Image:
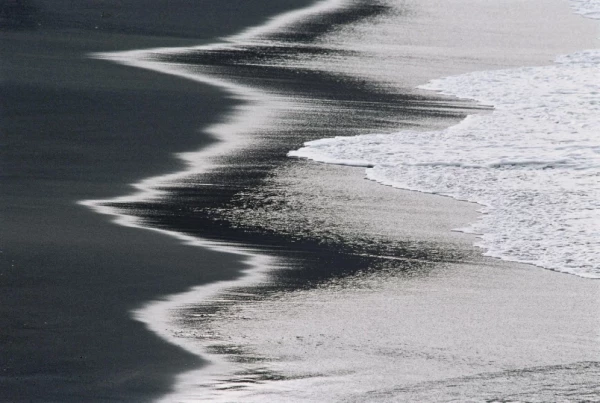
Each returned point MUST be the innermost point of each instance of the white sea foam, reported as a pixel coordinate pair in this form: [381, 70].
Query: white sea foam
[587, 8]
[534, 163]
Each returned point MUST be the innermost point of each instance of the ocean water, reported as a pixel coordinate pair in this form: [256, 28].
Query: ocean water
[533, 163]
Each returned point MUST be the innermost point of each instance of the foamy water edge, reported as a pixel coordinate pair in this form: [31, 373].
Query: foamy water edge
[456, 162]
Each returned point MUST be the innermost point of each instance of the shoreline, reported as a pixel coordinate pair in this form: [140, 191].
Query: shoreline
[69, 277]
[185, 299]
[270, 243]
[69, 124]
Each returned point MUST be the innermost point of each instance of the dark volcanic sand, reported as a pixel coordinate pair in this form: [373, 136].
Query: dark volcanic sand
[331, 105]
[74, 128]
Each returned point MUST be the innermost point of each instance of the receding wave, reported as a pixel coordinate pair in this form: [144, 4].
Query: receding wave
[533, 163]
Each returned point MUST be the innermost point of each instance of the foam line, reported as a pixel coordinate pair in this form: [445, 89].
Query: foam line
[532, 163]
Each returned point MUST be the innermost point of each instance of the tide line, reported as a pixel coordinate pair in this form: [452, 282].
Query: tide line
[256, 108]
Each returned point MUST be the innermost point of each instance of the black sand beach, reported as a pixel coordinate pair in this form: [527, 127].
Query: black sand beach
[76, 128]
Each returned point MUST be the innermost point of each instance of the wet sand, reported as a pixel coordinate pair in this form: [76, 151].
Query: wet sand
[76, 276]
[442, 326]
[459, 318]
[76, 128]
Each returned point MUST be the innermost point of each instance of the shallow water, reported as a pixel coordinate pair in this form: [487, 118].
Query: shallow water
[533, 163]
